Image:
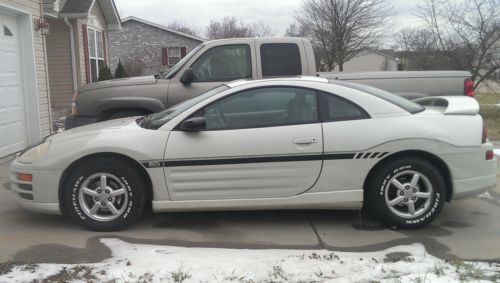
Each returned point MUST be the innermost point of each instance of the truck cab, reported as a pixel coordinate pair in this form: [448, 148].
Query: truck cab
[210, 64]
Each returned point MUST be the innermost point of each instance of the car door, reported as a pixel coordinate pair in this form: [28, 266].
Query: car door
[213, 67]
[259, 143]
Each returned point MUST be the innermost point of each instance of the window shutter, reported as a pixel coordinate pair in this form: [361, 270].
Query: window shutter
[183, 52]
[164, 56]
[86, 53]
[105, 51]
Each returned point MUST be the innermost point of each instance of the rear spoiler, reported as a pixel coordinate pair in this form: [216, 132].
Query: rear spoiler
[450, 105]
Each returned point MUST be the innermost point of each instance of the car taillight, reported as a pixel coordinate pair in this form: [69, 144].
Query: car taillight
[490, 154]
[469, 87]
[485, 133]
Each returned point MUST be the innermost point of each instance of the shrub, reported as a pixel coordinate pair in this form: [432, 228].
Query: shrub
[120, 71]
[105, 74]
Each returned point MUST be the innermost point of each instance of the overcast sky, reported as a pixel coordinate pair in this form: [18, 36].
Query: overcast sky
[198, 13]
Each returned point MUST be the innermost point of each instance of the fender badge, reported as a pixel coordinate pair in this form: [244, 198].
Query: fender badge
[154, 164]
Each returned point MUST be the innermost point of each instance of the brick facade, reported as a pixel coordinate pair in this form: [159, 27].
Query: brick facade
[140, 42]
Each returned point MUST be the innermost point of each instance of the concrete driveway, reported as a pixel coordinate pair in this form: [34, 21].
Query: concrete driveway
[469, 229]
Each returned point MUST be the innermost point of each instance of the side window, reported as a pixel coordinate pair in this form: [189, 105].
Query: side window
[6, 31]
[263, 107]
[335, 108]
[223, 63]
[280, 59]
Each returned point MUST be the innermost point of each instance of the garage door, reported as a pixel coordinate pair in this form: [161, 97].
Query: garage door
[13, 132]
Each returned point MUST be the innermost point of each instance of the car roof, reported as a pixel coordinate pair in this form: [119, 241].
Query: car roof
[237, 83]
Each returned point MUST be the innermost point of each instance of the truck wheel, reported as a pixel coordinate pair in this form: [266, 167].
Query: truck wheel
[406, 193]
[104, 194]
[124, 114]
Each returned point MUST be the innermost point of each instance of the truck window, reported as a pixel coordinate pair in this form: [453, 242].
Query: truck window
[280, 59]
[223, 63]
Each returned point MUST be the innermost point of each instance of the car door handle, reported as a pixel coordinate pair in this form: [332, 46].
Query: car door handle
[305, 140]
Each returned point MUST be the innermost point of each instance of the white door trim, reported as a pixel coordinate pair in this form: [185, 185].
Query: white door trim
[28, 71]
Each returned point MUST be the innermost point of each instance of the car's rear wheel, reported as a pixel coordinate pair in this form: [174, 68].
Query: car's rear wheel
[406, 193]
[104, 194]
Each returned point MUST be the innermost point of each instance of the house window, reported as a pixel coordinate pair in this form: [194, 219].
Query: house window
[6, 31]
[172, 55]
[96, 53]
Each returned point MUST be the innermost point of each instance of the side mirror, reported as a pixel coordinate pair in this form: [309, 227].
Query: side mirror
[194, 124]
[187, 76]
[157, 76]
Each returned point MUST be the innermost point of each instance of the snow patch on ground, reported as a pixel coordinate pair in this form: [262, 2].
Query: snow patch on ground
[154, 263]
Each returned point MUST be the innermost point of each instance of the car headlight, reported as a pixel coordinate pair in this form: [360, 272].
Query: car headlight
[31, 154]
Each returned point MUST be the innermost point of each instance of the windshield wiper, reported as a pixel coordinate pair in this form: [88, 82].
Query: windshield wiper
[144, 121]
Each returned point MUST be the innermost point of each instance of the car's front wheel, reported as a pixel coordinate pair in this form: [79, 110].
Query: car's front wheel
[406, 193]
[104, 194]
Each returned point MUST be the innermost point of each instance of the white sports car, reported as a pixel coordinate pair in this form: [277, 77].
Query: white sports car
[270, 144]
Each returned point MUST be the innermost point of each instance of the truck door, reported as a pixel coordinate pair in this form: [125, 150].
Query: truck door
[216, 65]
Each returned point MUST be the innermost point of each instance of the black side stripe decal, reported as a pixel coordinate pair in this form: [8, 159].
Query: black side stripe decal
[244, 160]
[382, 155]
[266, 159]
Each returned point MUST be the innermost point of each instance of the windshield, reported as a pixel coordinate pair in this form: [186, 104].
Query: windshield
[181, 63]
[156, 120]
[399, 101]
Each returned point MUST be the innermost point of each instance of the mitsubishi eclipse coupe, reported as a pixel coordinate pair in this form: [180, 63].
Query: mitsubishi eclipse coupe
[284, 143]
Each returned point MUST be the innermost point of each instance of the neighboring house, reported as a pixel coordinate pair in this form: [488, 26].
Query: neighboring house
[372, 60]
[24, 97]
[77, 46]
[146, 48]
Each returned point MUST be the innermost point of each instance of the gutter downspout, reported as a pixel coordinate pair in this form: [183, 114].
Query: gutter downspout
[72, 46]
[47, 80]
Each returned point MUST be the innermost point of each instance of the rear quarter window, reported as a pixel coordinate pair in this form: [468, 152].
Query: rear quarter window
[401, 102]
[280, 59]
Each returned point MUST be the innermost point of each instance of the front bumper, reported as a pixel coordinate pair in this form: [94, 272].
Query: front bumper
[39, 195]
[77, 121]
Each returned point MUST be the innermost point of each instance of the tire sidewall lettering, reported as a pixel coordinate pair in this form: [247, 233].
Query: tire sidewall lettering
[436, 197]
[75, 204]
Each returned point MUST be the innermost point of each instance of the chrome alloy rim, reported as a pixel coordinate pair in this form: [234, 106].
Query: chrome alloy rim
[408, 194]
[103, 197]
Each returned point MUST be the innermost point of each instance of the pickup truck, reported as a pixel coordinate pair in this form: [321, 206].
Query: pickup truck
[215, 62]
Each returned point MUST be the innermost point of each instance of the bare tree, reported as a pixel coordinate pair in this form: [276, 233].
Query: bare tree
[419, 50]
[134, 67]
[229, 27]
[262, 29]
[467, 31]
[185, 28]
[344, 28]
[296, 30]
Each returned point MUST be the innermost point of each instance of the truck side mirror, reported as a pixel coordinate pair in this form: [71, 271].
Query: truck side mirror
[194, 124]
[187, 76]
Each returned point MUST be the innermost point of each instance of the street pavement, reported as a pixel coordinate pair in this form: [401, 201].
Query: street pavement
[468, 229]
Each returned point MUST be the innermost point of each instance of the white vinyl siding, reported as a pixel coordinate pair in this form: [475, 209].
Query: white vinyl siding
[42, 89]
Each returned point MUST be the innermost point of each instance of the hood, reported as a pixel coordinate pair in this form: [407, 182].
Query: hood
[124, 124]
[145, 80]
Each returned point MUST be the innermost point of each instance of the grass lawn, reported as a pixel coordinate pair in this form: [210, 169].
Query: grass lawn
[490, 113]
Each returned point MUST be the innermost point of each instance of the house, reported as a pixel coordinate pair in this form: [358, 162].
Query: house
[146, 48]
[372, 60]
[48, 48]
[77, 46]
[24, 88]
